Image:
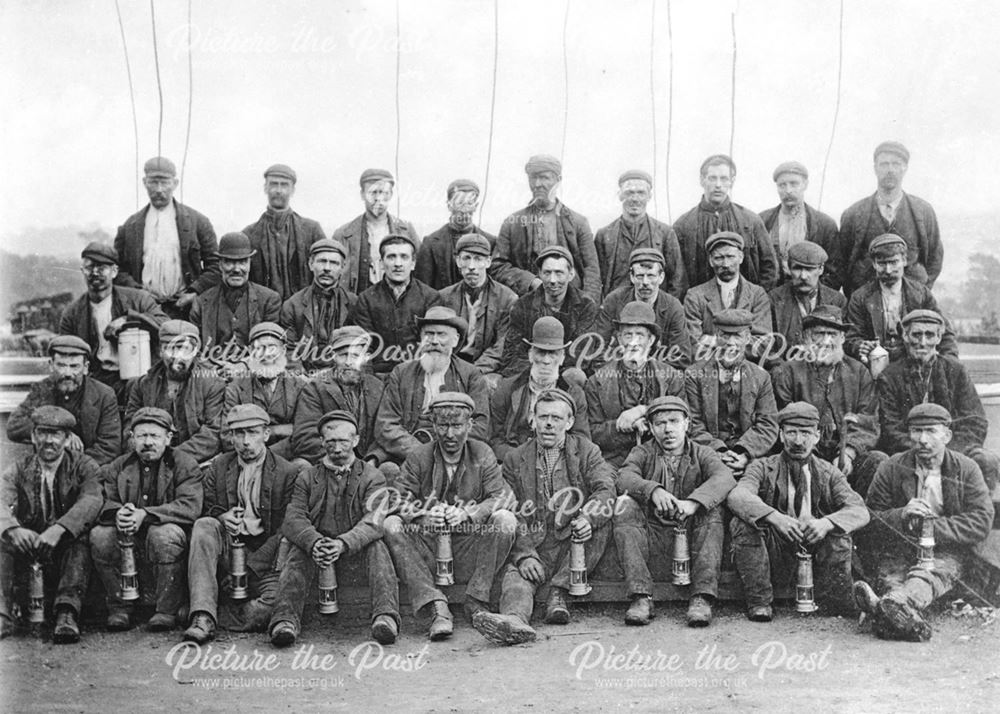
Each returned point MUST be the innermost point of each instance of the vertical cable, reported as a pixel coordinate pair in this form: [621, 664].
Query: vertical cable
[836, 109]
[131, 95]
[187, 134]
[397, 107]
[493, 103]
[732, 100]
[562, 153]
[159, 84]
[670, 103]
[652, 92]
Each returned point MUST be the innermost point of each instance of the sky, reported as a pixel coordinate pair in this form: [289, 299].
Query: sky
[313, 84]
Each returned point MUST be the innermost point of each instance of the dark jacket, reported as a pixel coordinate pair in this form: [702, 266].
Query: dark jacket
[702, 477]
[324, 394]
[757, 417]
[277, 479]
[77, 490]
[659, 236]
[305, 231]
[764, 489]
[822, 230]
[436, 258]
[785, 311]
[394, 321]
[199, 262]
[509, 427]
[492, 321]
[297, 317]
[674, 344]
[218, 324]
[179, 491]
[280, 405]
[577, 316]
[514, 253]
[98, 423]
[355, 236]
[703, 301]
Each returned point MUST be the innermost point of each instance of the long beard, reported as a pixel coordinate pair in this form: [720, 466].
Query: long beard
[268, 371]
[434, 362]
[830, 355]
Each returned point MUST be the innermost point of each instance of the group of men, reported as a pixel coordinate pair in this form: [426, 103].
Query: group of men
[356, 403]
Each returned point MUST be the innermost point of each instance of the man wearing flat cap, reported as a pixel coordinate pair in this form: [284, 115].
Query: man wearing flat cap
[453, 484]
[483, 303]
[365, 234]
[564, 490]
[801, 292]
[281, 238]
[794, 221]
[512, 405]
[267, 383]
[391, 307]
[731, 399]
[633, 230]
[153, 494]
[311, 315]
[727, 290]
[717, 213]
[224, 314]
[926, 376]
[48, 502]
[97, 425]
[876, 309]
[670, 483]
[544, 223]
[167, 248]
[331, 521]
[437, 258]
[842, 390]
[646, 276]
[793, 502]
[619, 393]
[246, 494]
[927, 482]
[891, 210]
[99, 316]
[404, 419]
[185, 388]
[347, 386]
[556, 297]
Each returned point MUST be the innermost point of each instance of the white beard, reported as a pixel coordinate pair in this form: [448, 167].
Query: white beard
[435, 362]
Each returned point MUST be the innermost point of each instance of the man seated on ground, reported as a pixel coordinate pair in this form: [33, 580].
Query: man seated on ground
[792, 502]
[670, 483]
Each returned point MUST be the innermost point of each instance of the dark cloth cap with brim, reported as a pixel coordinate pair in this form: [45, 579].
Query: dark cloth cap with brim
[790, 167]
[371, 175]
[892, 147]
[152, 415]
[799, 414]
[732, 320]
[235, 246]
[440, 315]
[635, 175]
[100, 253]
[646, 255]
[825, 316]
[159, 166]
[336, 415]
[724, 238]
[462, 185]
[807, 254]
[452, 399]
[53, 417]
[282, 171]
[923, 316]
[349, 335]
[243, 415]
[397, 238]
[543, 162]
[177, 328]
[889, 243]
[271, 329]
[668, 403]
[69, 345]
[547, 334]
[928, 413]
[638, 313]
[328, 245]
[473, 243]
[554, 251]
[560, 394]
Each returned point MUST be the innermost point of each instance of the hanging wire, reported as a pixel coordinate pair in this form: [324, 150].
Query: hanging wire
[562, 153]
[732, 100]
[670, 103]
[397, 107]
[836, 108]
[131, 96]
[652, 92]
[493, 103]
[187, 134]
[159, 84]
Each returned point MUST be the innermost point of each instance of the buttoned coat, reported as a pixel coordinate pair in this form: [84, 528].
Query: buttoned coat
[758, 413]
[178, 488]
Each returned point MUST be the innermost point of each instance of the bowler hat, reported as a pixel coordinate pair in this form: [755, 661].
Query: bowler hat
[547, 334]
[235, 246]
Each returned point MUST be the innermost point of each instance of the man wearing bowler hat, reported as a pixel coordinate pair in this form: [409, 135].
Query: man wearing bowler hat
[891, 210]
[801, 292]
[246, 494]
[637, 230]
[185, 388]
[794, 221]
[48, 502]
[437, 263]
[281, 238]
[482, 302]
[331, 521]
[365, 234]
[927, 482]
[99, 316]
[97, 424]
[792, 502]
[667, 483]
[311, 315]
[224, 314]
[167, 248]
[618, 393]
[154, 494]
[546, 222]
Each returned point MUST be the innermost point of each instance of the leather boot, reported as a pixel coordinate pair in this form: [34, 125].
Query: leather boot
[442, 624]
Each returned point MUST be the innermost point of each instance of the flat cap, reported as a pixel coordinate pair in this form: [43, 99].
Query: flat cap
[543, 162]
[635, 174]
[100, 253]
[54, 417]
[452, 399]
[799, 414]
[441, 315]
[928, 413]
[560, 394]
[462, 185]
[723, 238]
[732, 320]
[336, 415]
[370, 175]
[243, 415]
[330, 245]
[826, 316]
[790, 167]
[646, 255]
[887, 241]
[152, 415]
[397, 238]
[554, 251]
[160, 166]
[668, 403]
[69, 345]
[177, 328]
[349, 335]
[923, 316]
[266, 329]
[892, 147]
[808, 254]
[473, 243]
[235, 246]
[638, 313]
[282, 171]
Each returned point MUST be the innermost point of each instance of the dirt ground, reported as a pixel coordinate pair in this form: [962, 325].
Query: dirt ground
[796, 663]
